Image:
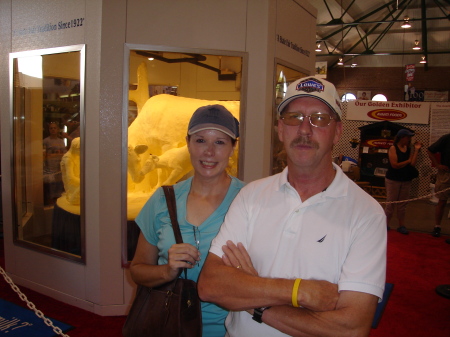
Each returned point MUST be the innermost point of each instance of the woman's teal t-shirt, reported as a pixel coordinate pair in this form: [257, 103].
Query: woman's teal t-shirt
[154, 222]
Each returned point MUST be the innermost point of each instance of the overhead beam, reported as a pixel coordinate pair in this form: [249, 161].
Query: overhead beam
[444, 52]
[355, 23]
[424, 33]
[404, 3]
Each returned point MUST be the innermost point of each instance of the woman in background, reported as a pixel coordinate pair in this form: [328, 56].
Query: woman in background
[399, 176]
[202, 202]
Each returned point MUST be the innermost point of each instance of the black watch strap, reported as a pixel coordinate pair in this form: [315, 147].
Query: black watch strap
[257, 314]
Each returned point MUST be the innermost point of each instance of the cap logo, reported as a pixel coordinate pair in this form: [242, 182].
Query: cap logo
[310, 85]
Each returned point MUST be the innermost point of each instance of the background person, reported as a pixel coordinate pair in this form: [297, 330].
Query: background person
[202, 202]
[441, 146]
[54, 150]
[399, 176]
[308, 222]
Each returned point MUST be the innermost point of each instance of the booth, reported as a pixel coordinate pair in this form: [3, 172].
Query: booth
[376, 139]
[101, 64]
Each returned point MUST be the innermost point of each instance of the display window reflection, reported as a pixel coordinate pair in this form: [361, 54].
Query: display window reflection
[164, 90]
[47, 106]
[284, 77]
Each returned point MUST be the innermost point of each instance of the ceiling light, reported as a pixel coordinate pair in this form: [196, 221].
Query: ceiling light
[354, 65]
[340, 63]
[318, 47]
[150, 58]
[416, 45]
[406, 23]
[424, 59]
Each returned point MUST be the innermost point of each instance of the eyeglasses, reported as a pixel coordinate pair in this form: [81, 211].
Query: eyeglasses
[197, 238]
[316, 119]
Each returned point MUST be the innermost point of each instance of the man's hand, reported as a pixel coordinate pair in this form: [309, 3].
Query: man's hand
[443, 167]
[315, 295]
[237, 257]
[318, 295]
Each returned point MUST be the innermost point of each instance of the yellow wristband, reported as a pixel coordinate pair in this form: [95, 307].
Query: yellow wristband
[295, 292]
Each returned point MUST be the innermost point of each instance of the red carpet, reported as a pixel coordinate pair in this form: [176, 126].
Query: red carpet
[417, 263]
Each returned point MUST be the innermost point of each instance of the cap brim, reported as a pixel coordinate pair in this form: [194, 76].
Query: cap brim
[217, 127]
[290, 99]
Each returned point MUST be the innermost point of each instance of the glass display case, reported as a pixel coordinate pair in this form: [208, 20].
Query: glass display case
[164, 90]
[47, 108]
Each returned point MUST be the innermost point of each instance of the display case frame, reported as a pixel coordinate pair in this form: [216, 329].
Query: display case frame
[128, 242]
[29, 119]
[278, 159]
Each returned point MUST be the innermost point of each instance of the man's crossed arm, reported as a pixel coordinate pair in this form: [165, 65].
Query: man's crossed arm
[232, 282]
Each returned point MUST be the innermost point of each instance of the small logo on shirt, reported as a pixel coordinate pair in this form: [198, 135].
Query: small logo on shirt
[322, 240]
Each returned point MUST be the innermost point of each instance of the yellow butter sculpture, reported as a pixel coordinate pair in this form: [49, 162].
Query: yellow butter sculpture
[157, 151]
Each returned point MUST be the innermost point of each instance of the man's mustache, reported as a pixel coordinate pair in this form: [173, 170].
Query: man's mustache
[304, 140]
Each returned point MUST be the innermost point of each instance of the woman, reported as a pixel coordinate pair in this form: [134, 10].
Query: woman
[202, 202]
[399, 176]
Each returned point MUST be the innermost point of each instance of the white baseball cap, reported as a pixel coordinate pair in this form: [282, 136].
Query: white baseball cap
[312, 87]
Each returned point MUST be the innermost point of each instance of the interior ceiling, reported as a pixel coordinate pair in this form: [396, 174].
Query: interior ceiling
[369, 33]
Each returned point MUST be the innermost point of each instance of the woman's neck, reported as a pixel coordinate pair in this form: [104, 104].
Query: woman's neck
[204, 186]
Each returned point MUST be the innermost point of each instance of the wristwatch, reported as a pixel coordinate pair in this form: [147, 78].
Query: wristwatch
[257, 314]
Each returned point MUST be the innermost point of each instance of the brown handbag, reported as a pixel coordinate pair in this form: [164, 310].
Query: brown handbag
[172, 309]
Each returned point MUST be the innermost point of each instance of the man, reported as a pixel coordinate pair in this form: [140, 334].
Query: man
[441, 146]
[316, 242]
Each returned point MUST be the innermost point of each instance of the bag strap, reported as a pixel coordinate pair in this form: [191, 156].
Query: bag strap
[172, 207]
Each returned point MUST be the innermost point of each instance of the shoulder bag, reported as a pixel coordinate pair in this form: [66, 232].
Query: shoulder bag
[172, 309]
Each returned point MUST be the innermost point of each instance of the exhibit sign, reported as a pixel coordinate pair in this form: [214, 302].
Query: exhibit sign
[435, 96]
[439, 120]
[321, 69]
[400, 112]
[409, 71]
[41, 24]
[294, 43]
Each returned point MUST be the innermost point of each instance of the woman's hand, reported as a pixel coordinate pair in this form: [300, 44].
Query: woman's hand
[418, 145]
[182, 255]
[237, 256]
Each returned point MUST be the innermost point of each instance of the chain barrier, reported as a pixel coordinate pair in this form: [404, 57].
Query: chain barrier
[31, 305]
[418, 198]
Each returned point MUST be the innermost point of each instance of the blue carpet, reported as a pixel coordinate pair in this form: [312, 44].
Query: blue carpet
[16, 321]
[380, 307]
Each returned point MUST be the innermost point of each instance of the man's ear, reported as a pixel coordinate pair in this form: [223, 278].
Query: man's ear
[337, 133]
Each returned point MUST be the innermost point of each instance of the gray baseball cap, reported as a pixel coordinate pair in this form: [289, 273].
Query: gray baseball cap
[214, 117]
